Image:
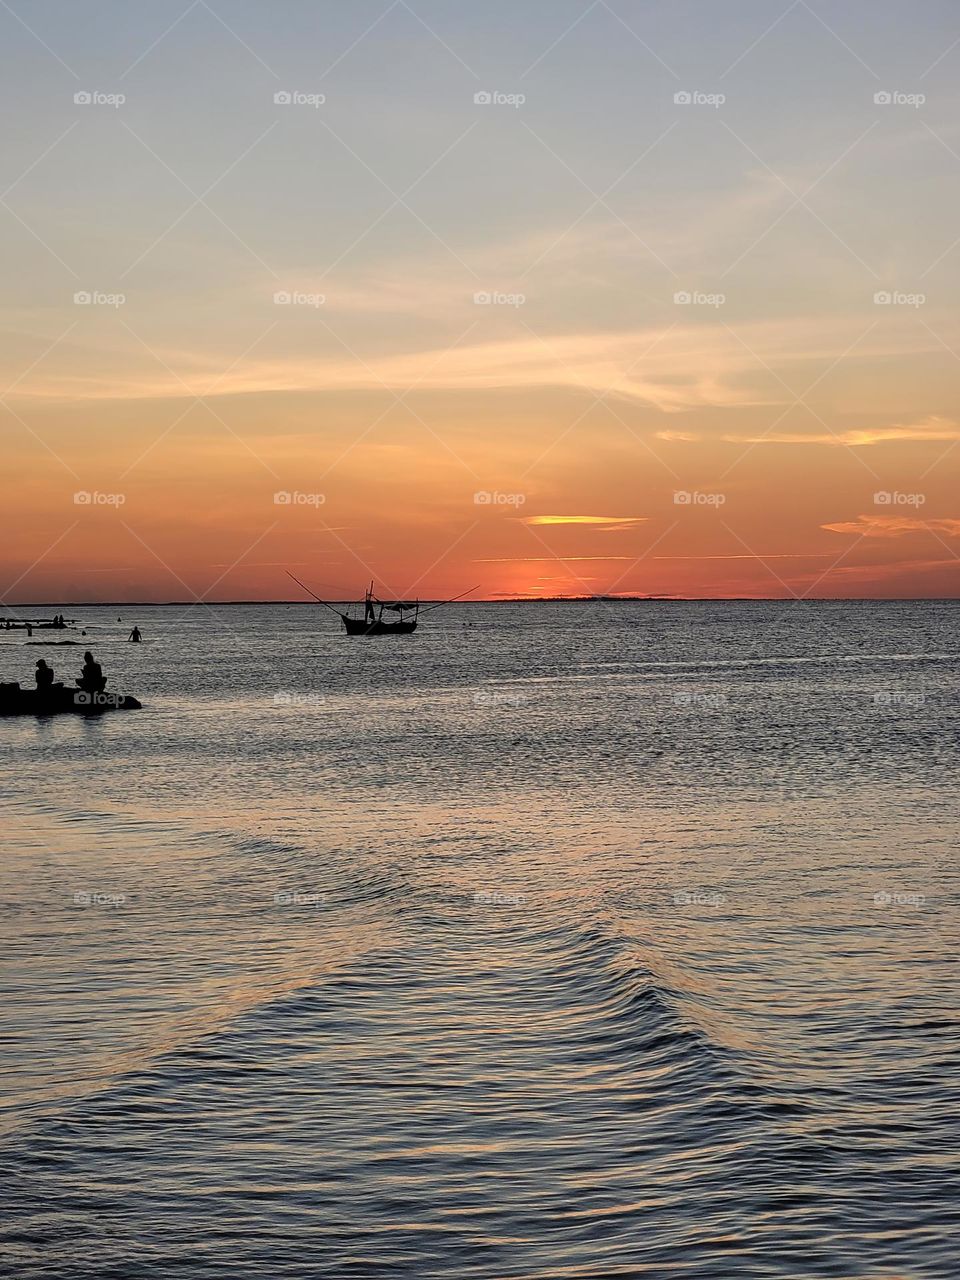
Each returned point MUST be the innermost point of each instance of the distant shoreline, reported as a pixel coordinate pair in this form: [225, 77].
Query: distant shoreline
[60, 605]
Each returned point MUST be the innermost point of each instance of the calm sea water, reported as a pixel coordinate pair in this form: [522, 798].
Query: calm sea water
[554, 941]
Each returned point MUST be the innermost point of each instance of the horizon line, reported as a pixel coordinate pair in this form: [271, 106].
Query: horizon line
[599, 598]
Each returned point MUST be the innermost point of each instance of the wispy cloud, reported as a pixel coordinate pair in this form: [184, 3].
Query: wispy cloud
[670, 367]
[759, 555]
[605, 523]
[895, 526]
[931, 428]
[543, 559]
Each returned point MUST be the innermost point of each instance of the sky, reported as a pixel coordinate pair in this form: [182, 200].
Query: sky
[551, 298]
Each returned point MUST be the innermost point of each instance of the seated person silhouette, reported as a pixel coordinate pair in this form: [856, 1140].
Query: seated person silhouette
[92, 679]
[44, 677]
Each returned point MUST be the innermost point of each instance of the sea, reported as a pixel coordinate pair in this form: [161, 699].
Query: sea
[555, 941]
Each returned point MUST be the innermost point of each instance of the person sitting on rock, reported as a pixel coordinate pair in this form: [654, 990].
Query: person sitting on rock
[44, 677]
[92, 679]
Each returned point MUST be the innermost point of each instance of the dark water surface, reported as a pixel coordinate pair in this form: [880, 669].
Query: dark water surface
[554, 941]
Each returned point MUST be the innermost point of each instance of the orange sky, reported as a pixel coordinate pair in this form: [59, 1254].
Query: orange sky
[424, 507]
[593, 342]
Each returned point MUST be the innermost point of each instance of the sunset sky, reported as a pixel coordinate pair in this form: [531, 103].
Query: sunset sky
[451, 333]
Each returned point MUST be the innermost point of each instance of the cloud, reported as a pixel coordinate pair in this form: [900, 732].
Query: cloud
[607, 524]
[895, 526]
[674, 366]
[760, 555]
[932, 428]
[543, 559]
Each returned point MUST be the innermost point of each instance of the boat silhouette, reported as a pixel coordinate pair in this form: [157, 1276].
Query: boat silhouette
[373, 623]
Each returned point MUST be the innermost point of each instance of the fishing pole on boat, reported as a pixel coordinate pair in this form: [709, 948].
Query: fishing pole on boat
[441, 604]
[313, 593]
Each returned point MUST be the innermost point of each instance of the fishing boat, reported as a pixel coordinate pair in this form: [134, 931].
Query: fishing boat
[373, 623]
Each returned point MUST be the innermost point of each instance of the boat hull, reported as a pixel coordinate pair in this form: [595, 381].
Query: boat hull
[359, 627]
